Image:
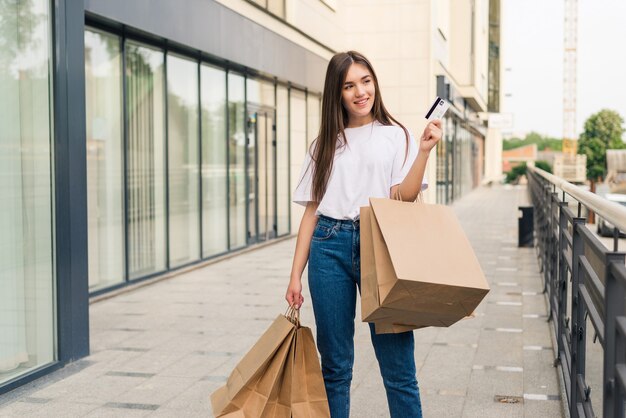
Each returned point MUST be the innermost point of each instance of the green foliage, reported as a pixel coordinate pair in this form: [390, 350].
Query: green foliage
[515, 173]
[520, 170]
[542, 142]
[603, 130]
[544, 165]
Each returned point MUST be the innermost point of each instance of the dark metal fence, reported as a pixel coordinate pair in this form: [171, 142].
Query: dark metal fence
[583, 280]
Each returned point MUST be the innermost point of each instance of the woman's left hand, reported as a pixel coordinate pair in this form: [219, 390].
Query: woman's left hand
[432, 134]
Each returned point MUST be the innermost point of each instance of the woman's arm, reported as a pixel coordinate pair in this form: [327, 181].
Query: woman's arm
[301, 255]
[412, 183]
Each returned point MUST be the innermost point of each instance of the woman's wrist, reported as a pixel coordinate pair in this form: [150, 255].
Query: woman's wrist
[424, 154]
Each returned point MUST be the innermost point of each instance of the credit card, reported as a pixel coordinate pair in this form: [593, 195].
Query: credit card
[438, 109]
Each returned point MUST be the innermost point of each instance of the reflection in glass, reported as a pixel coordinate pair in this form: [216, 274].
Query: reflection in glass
[145, 108]
[237, 149]
[251, 177]
[260, 92]
[103, 88]
[269, 173]
[261, 178]
[27, 314]
[214, 193]
[182, 106]
[260, 96]
[298, 146]
[313, 117]
[282, 159]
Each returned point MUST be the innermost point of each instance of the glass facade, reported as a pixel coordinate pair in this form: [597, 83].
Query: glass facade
[145, 154]
[460, 163]
[183, 160]
[105, 167]
[298, 145]
[214, 164]
[237, 160]
[283, 191]
[27, 279]
[313, 112]
[186, 157]
[261, 154]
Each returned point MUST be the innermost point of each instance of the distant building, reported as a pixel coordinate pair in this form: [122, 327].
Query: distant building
[514, 157]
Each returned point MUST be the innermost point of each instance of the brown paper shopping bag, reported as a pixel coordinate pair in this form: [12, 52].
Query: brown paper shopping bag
[251, 383]
[417, 267]
[308, 393]
[279, 402]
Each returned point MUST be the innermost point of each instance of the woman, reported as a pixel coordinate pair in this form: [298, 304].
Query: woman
[361, 152]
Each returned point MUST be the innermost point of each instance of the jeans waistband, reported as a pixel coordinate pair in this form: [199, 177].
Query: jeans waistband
[339, 223]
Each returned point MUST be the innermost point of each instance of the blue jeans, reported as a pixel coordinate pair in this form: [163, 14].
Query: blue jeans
[334, 276]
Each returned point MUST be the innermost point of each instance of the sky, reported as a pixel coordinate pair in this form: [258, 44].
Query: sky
[532, 56]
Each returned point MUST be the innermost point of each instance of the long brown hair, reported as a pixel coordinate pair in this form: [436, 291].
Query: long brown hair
[335, 118]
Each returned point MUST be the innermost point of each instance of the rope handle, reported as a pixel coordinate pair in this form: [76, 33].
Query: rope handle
[293, 315]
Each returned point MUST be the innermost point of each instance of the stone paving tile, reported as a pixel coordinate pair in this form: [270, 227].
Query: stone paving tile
[436, 405]
[109, 412]
[156, 390]
[62, 408]
[19, 409]
[102, 389]
[165, 347]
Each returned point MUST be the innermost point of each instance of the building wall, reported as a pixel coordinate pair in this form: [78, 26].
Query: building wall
[314, 19]
[254, 39]
[469, 37]
[396, 37]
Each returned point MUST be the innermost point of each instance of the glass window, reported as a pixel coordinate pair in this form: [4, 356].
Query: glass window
[183, 162]
[214, 164]
[298, 145]
[103, 94]
[27, 312]
[145, 107]
[237, 155]
[260, 92]
[260, 159]
[313, 117]
[444, 162]
[282, 159]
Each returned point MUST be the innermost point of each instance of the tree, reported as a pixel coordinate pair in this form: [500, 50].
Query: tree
[603, 130]
[521, 170]
[542, 142]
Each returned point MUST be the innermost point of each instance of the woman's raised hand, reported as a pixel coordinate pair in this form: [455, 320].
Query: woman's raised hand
[294, 293]
[431, 135]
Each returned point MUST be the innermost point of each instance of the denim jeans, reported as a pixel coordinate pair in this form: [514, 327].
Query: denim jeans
[334, 276]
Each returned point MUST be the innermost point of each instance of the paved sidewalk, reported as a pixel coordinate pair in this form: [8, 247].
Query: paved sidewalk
[160, 350]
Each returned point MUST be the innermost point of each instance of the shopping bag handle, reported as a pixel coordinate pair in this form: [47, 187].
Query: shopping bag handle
[398, 196]
[293, 315]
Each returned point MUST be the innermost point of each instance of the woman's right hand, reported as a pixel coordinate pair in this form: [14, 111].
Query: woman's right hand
[294, 293]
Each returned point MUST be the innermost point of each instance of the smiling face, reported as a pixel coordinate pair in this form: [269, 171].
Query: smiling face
[358, 95]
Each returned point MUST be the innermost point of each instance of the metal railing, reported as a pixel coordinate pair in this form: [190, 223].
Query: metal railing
[582, 280]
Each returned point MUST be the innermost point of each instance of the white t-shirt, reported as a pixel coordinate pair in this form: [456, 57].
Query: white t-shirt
[368, 166]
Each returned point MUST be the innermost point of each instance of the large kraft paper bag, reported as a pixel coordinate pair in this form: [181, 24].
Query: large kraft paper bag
[418, 268]
[308, 393]
[279, 402]
[251, 383]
